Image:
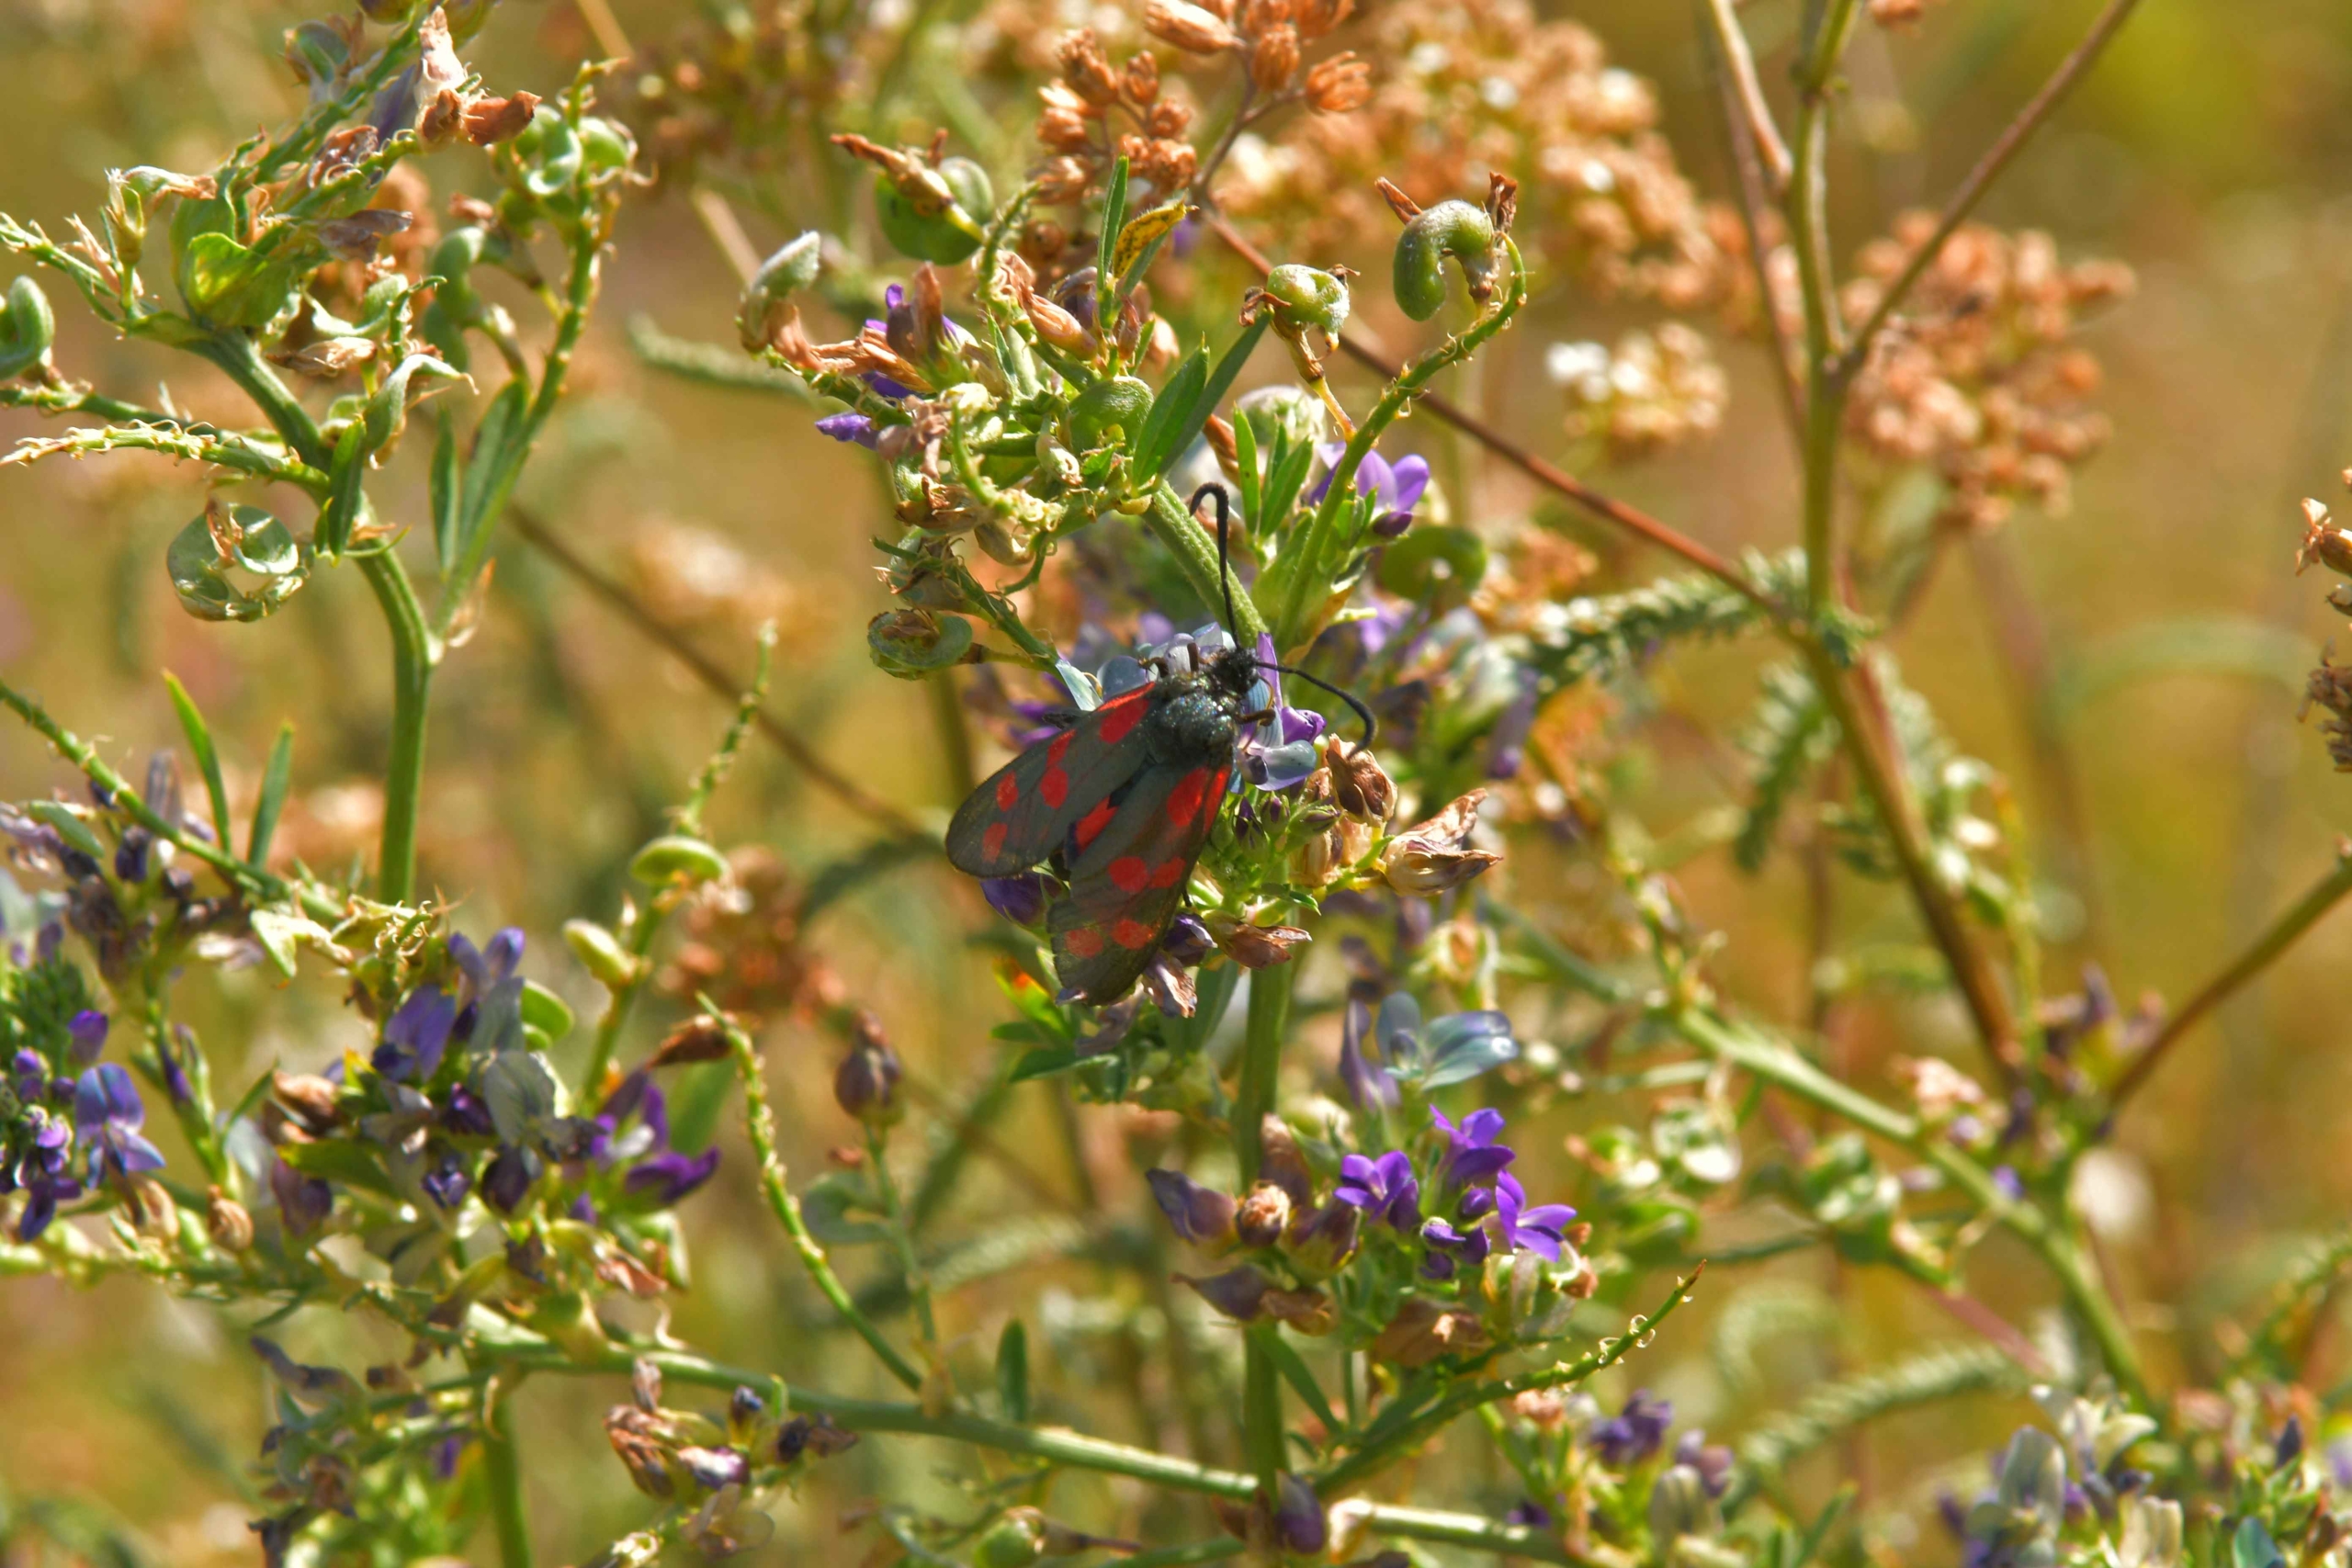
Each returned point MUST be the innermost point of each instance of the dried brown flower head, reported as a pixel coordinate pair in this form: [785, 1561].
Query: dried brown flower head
[1978, 375]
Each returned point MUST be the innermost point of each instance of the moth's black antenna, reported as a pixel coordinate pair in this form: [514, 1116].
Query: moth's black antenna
[1370, 725]
[1224, 552]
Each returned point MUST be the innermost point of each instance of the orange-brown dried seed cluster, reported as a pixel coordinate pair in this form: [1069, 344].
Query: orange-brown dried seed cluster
[1978, 375]
[1653, 390]
[1093, 113]
[1464, 86]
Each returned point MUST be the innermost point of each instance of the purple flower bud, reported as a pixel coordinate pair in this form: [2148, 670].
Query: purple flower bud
[849, 427]
[448, 1184]
[1633, 1435]
[866, 1085]
[1020, 899]
[1198, 1214]
[1473, 1156]
[670, 1176]
[134, 856]
[1188, 940]
[1384, 1189]
[508, 1180]
[1368, 1087]
[1299, 1522]
[87, 1031]
[1238, 1293]
[416, 1035]
[107, 1115]
[303, 1201]
[1713, 1462]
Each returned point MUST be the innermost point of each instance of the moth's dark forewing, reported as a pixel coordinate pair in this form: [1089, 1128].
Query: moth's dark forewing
[1127, 883]
[1021, 813]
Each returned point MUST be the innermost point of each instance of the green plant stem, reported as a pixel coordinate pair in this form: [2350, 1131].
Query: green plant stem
[415, 651]
[902, 1241]
[1195, 548]
[2054, 1243]
[1368, 1462]
[503, 1469]
[1253, 1100]
[761, 1124]
[2282, 934]
[641, 932]
[1302, 564]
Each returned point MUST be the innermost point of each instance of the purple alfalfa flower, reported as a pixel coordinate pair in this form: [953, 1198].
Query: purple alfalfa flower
[466, 1114]
[173, 1058]
[416, 1035]
[634, 1120]
[1473, 1157]
[28, 1075]
[486, 967]
[45, 1171]
[1540, 1228]
[1020, 898]
[1188, 940]
[1452, 1250]
[1530, 1513]
[1300, 1525]
[1634, 1434]
[445, 1455]
[667, 1178]
[1395, 487]
[509, 1179]
[1281, 754]
[134, 856]
[107, 1118]
[851, 428]
[1200, 1215]
[2011, 1186]
[448, 1182]
[1712, 1460]
[1384, 1189]
[303, 1201]
[1367, 1084]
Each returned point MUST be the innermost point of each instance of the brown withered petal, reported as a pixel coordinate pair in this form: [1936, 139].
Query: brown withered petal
[1273, 58]
[1170, 118]
[309, 1097]
[1309, 1312]
[228, 1222]
[472, 209]
[1316, 17]
[327, 359]
[1339, 85]
[645, 1385]
[1282, 1163]
[1255, 947]
[1063, 179]
[1064, 130]
[1422, 1331]
[1238, 1293]
[642, 1453]
[1087, 69]
[1188, 26]
[1218, 432]
[491, 120]
[700, 1039]
[442, 119]
[355, 238]
[1141, 84]
[623, 1272]
[1359, 785]
[1261, 1216]
[1403, 206]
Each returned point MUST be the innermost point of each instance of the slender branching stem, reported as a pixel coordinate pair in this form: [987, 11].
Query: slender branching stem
[1755, 114]
[1261, 1056]
[2281, 934]
[504, 1469]
[902, 1239]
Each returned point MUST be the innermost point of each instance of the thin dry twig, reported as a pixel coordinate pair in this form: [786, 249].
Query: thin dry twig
[1632, 519]
[1764, 133]
[1988, 168]
[820, 772]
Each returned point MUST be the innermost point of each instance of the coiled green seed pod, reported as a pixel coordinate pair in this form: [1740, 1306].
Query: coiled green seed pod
[1454, 229]
[673, 856]
[1306, 296]
[27, 329]
[932, 231]
[1117, 402]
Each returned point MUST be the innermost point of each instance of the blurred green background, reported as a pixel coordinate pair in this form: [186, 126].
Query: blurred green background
[2212, 152]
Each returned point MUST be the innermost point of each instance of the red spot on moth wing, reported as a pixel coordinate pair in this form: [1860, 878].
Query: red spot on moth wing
[1120, 716]
[1059, 749]
[1132, 934]
[1007, 791]
[1091, 826]
[1083, 942]
[1129, 874]
[993, 840]
[1054, 787]
[1167, 874]
[1184, 800]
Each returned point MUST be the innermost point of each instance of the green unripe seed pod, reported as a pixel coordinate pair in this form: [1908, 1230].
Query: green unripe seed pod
[27, 329]
[601, 953]
[675, 857]
[1306, 296]
[910, 644]
[546, 1012]
[605, 147]
[923, 227]
[1454, 229]
[1118, 402]
[782, 274]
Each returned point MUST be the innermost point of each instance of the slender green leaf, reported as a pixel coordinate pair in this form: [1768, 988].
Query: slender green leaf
[1296, 1373]
[1220, 382]
[275, 781]
[1115, 217]
[208, 758]
[1156, 446]
[1042, 1065]
[1012, 1372]
[333, 535]
[447, 486]
[1245, 453]
[60, 817]
[500, 426]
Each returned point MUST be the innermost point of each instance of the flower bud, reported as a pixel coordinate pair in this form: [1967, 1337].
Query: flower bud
[601, 953]
[1320, 1241]
[865, 1085]
[1188, 26]
[1199, 1214]
[1263, 1216]
[226, 1221]
[767, 297]
[1020, 899]
[675, 857]
[815, 1436]
[27, 329]
[1282, 1163]
[1274, 59]
[1112, 402]
[1300, 1527]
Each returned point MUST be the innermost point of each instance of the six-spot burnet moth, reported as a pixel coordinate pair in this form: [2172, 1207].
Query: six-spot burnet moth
[1126, 796]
